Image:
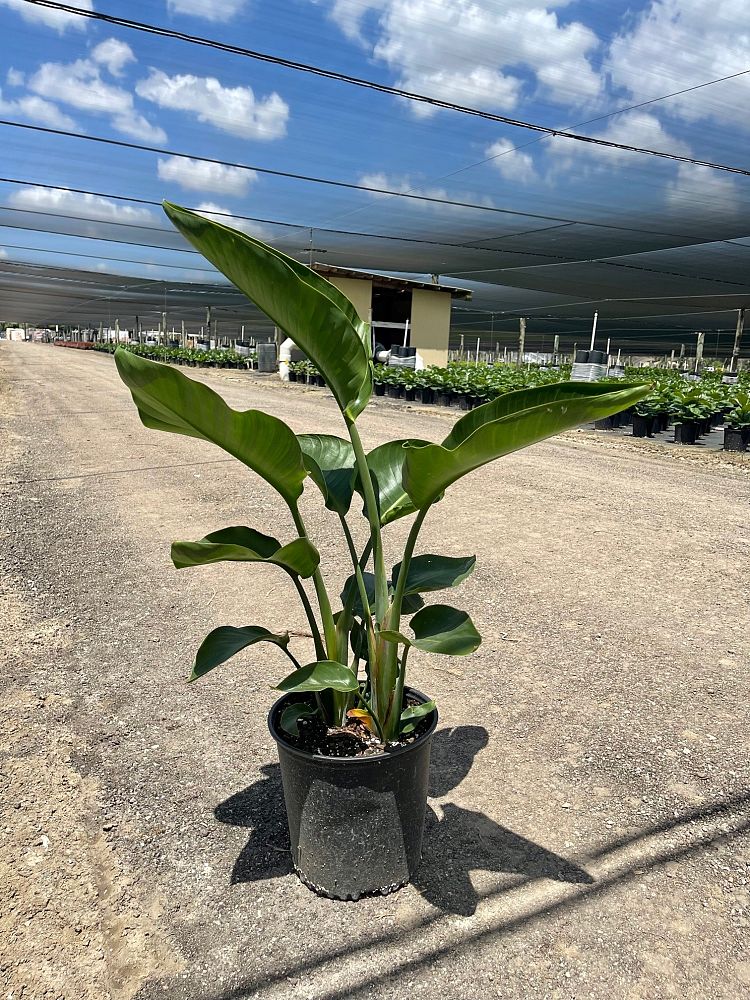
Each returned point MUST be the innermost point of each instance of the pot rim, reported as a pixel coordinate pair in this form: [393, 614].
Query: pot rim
[350, 761]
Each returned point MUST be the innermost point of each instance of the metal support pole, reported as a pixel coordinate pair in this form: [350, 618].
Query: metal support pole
[699, 350]
[521, 338]
[593, 330]
[737, 339]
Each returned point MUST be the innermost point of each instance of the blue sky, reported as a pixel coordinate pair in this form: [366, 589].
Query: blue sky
[555, 63]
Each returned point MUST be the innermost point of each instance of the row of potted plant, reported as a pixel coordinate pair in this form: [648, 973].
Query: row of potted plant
[695, 409]
[191, 357]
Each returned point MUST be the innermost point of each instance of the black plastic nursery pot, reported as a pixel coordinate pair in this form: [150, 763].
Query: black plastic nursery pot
[443, 398]
[395, 391]
[686, 432]
[379, 388]
[607, 423]
[355, 823]
[642, 426]
[424, 395]
[735, 439]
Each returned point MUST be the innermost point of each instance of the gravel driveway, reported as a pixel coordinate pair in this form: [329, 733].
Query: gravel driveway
[590, 803]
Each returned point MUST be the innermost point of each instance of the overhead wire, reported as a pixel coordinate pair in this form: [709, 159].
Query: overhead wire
[374, 85]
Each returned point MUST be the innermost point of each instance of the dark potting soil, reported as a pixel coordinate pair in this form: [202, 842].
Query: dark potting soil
[352, 740]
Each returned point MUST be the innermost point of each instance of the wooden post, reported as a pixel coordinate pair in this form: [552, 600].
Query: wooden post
[182, 333]
[117, 330]
[737, 339]
[555, 348]
[699, 350]
[682, 356]
[521, 338]
[461, 350]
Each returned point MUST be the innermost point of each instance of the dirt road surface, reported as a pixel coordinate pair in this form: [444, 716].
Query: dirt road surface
[589, 812]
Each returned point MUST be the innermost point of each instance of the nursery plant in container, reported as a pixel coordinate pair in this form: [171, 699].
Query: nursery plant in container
[737, 424]
[353, 738]
[689, 410]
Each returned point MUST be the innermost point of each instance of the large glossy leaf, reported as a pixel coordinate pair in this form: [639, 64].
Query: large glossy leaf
[330, 462]
[386, 463]
[428, 572]
[224, 642]
[439, 628]
[314, 313]
[240, 544]
[167, 400]
[321, 676]
[505, 425]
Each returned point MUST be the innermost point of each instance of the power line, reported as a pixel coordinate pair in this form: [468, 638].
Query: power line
[373, 85]
[551, 260]
[559, 223]
[349, 185]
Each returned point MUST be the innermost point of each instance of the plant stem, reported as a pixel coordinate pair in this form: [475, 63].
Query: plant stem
[319, 647]
[333, 703]
[394, 679]
[383, 657]
[381, 582]
[399, 701]
[329, 628]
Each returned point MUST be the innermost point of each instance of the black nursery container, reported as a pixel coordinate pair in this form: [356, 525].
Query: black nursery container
[735, 439]
[642, 426]
[686, 432]
[355, 823]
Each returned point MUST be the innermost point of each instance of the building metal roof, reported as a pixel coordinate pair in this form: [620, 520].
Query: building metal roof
[389, 280]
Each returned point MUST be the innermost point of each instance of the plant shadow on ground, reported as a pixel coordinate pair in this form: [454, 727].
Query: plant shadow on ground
[459, 842]
[619, 862]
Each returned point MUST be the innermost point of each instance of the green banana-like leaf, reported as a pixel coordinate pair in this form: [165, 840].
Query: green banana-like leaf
[428, 572]
[321, 676]
[386, 463]
[240, 544]
[439, 628]
[504, 425]
[225, 641]
[330, 462]
[314, 313]
[167, 400]
[411, 717]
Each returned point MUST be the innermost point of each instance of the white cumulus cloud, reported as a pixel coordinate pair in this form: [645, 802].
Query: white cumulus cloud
[209, 10]
[88, 206]
[675, 44]
[513, 164]
[381, 183]
[80, 85]
[235, 110]
[61, 20]
[113, 54]
[632, 128]
[224, 215]
[471, 51]
[695, 186]
[197, 175]
[38, 110]
[15, 78]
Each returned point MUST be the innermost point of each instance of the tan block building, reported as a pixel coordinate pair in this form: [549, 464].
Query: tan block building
[400, 307]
